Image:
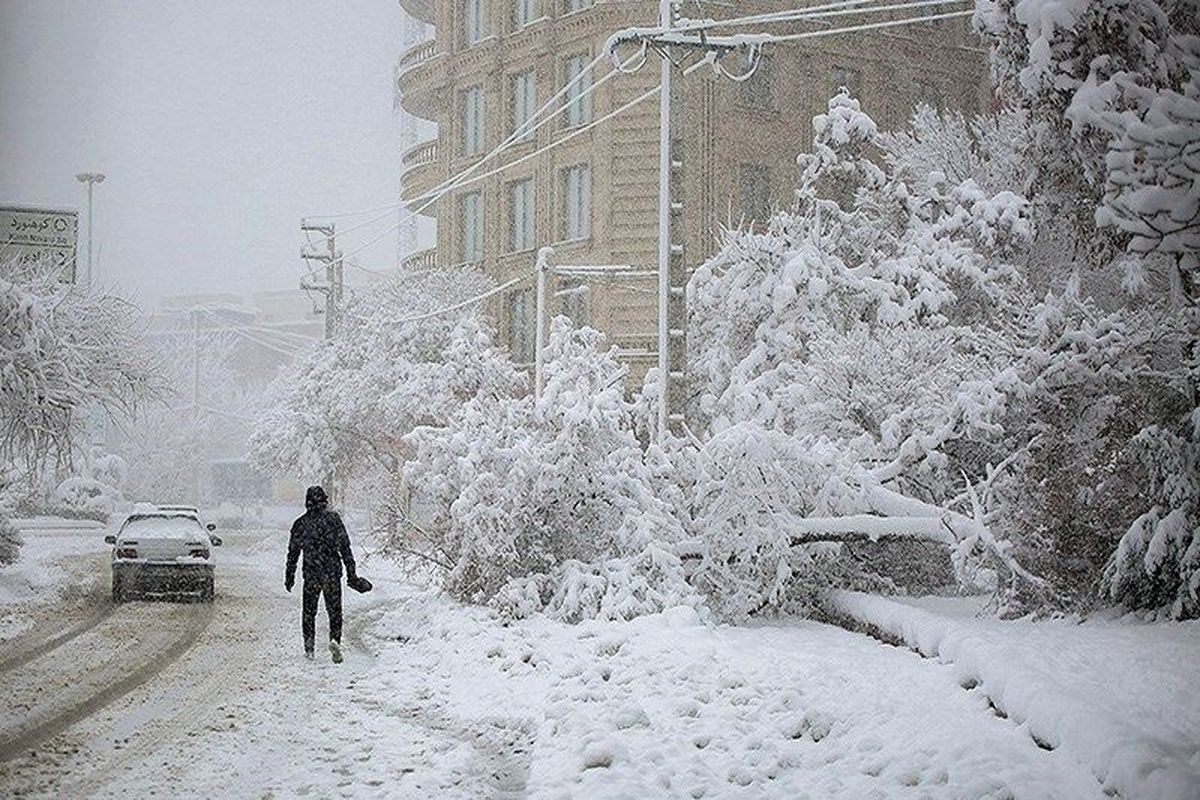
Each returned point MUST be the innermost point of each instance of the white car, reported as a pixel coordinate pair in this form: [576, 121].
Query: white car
[162, 552]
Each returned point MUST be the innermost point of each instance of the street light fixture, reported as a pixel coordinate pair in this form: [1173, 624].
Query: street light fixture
[91, 179]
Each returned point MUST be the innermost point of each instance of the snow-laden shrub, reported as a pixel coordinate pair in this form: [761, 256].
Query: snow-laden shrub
[86, 497]
[547, 504]
[1157, 564]
[749, 481]
[109, 469]
[10, 541]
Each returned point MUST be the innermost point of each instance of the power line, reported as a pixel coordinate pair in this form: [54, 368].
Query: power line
[791, 37]
[516, 135]
[459, 306]
[459, 180]
[284, 349]
[847, 7]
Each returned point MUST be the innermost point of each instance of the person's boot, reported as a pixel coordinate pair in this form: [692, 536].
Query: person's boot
[335, 650]
[308, 649]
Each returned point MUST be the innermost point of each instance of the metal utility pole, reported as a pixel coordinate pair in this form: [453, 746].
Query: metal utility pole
[195, 406]
[672, 271]
[673, 43]
[91, 179]
[333, 274]
[333, 289]
[545, 257]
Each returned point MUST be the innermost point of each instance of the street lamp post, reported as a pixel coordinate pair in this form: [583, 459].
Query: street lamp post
[91, 179]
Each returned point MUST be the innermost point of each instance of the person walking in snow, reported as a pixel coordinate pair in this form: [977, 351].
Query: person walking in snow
[320, 535]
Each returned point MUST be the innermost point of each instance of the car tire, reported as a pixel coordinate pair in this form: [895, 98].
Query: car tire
[118, 590]
[207, 591]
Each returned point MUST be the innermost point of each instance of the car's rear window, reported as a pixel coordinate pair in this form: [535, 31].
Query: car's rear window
[162, 527]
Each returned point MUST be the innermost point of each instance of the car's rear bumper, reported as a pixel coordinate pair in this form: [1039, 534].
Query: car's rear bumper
[162, 577]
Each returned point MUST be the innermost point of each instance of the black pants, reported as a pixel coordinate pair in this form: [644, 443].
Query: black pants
[313, 589]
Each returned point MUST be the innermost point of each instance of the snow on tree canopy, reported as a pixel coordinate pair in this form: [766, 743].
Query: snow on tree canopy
[547, 505]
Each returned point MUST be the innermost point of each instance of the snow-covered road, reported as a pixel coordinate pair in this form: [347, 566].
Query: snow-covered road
[438, 700]
[187, 700]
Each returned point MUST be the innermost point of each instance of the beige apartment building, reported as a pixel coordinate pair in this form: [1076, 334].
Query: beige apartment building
[491, 63]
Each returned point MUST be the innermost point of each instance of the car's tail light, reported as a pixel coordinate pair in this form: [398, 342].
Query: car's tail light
[126, 552]
[199, 552]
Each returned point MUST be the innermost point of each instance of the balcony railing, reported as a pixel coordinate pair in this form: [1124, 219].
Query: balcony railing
[422, 153]
[415, 56]
[412, 86]
[417, 262]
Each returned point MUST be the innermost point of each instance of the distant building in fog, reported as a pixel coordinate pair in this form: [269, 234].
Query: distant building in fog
[266, 330]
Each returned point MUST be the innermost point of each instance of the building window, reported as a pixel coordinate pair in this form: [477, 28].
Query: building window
[575, 5]
[577, 201]
[524, 12]
[575, 303]
[755, 187]
[472, 121]
[758, 91]
[522, 325]
[521, 215]
[847, 77]
[474, 23]
[470, 207]
[579, 98]
[524, 103]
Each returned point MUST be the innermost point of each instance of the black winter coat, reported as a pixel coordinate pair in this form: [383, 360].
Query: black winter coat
[322, 538]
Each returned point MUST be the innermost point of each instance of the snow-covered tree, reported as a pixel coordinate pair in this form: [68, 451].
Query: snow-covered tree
[64, 351]
[1113, 93]
[1157, 564]
[166, 440]
[547, 505]
[873, 325]
[398, 361]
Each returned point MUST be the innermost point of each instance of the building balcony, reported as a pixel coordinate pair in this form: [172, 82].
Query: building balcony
[421, 261]
[424, 10]
[417, 74]
[419, 175]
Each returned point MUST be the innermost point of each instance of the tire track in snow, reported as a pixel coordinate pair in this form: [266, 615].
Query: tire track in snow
[44, 643]
[20, 742]
[223, 675]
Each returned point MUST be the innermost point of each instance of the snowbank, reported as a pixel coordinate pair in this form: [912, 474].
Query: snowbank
[43, 568]
[1114, 695]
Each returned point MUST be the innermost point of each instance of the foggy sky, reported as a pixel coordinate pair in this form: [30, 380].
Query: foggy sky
[218, 123]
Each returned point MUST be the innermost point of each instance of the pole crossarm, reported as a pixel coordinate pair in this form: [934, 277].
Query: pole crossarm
[659, 39]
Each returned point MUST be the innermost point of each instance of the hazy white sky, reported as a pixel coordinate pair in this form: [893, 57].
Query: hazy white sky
[218, 123]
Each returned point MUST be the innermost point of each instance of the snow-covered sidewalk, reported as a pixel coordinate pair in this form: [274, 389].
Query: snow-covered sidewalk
[667, 707]
[1117, 696]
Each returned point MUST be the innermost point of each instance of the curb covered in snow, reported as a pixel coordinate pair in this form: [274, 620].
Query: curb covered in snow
[1056, 708]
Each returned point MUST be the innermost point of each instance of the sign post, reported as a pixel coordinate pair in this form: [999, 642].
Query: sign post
[36, 234]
